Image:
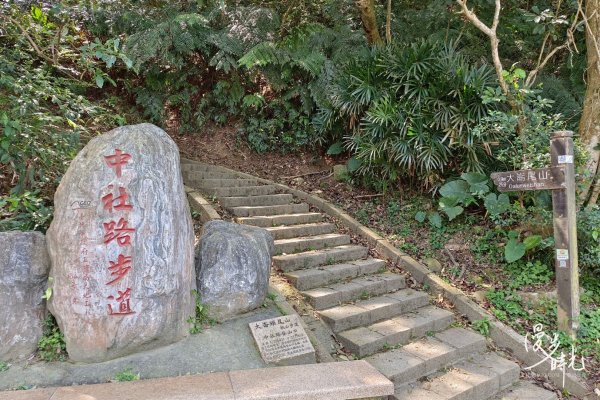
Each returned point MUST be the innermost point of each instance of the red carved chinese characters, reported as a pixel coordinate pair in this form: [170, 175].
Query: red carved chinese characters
[117, 202]
[123, 300]
[121, 233]
[117, 160]
[119, 268]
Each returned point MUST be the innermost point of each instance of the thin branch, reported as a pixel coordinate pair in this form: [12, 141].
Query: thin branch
[570, 40]
[494, 42]
[532, 75]
[33, 44]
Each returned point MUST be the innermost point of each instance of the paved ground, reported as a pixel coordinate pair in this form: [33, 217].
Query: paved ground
[224, 347]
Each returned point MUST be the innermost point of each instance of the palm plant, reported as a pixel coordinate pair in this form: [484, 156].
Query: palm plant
[410, 111]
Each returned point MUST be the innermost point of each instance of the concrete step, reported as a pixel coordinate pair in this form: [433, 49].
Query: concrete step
[266, 200]
[295, 245]
[208, 184]
[255, 211]
[306, 279]
[359, 288]
[524, 390]
[197, 175]
[427, 355]
[315, 258]
[266, 221]
[198, 167]
[243, 191]
[288, 232]
[400, 330]
[366, 312]
[479, 378]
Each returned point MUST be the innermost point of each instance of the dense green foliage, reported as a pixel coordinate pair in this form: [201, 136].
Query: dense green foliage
[44, 108]
[51, 346]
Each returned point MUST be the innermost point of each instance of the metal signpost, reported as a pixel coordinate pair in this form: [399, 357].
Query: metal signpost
[560, 178]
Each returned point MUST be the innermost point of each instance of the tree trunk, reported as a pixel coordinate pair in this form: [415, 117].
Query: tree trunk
[589, 125]
[367, 15]
[388, 23]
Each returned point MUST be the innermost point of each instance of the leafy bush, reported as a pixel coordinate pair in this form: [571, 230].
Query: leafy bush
[127, 376]
[201, 319]
[529, 274]
[296, 71]
[411, 110]
[588, 239]
[52, 347]
[46, 69]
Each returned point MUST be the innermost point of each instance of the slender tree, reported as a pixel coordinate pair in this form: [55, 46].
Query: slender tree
[369, 20]
[589, 125]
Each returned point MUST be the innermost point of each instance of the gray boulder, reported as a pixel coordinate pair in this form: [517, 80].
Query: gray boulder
[122, 246]
[24, 266]
[233, 267]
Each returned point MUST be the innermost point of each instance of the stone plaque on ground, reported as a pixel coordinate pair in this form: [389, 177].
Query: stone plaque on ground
[122, 246]
[283, 341]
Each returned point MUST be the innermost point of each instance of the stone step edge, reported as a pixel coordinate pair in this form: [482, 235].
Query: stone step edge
[291, 231]
[409, 363]
[201, 205]
[303, 244]
[503, 336]
[272, 218]
[366, 314]
[479, 377]
[281, 261]
[369, 288]
[525, 390]
[376, 266]
[421, 329]
[349, 380]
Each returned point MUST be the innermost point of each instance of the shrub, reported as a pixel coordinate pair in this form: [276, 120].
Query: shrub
[410, 111]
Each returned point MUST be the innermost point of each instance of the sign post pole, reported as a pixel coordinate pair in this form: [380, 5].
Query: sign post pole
[565, 234]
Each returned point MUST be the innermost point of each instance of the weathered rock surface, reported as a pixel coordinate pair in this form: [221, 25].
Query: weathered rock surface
[233, 267]
[24, 266]
[121, 245]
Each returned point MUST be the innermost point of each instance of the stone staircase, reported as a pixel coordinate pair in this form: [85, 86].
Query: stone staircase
[371, 311]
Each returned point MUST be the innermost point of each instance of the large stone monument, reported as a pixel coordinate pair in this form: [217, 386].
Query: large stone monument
[24, 268]
[233, 267]
[121, 245]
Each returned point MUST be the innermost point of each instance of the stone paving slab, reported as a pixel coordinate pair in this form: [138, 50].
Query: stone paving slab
[218, 183]
[306, 279]
[332, 295]
[315, 258]
[373, 310]
[265, 221]
[243, 191]
[262, 200]
[396, 331]
[328, 381]
[346, 380]
[223, 347]
[254, 211]
[293, 231]
[299, 244]
[526, 391]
